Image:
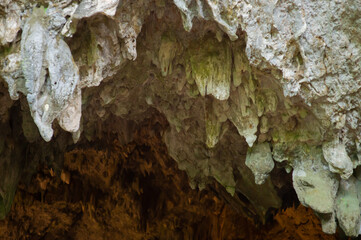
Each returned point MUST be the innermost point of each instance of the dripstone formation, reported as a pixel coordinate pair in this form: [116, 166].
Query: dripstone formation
[248, 88]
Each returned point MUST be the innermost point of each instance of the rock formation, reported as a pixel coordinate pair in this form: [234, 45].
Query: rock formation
[272, 86]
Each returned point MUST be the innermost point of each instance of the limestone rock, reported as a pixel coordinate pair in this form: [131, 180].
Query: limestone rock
[243, 115]
[337, 158]
[213, 126]
[315, 186]
[211, 68]
[13, 75]
[259, 160]
[282, 77]
[347, 207]
[328, 222]
[10, 22]
[50, 72]
[167, 52]
[88, 8]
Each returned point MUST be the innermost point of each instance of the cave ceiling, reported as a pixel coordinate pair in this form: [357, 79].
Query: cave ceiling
[261, 97]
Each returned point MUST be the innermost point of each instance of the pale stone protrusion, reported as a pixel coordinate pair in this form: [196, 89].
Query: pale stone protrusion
[337, 158]
[315, 185]
[347, 207]
[89, 8]
[211, 65]
[166, 54]
[51, 77]
[259, 160]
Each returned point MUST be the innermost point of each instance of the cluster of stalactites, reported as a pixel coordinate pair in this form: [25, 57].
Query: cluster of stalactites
[323, 177]
[44, 70]
[325, 180]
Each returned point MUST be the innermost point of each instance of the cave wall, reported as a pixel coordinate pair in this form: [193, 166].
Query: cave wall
[250, 90]
[109, 190]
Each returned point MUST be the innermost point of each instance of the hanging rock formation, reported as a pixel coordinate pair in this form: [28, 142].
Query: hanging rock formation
[269, 85]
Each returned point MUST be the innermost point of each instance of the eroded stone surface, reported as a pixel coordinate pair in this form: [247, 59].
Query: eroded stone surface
[315, 186]
[50, 73]
[278, 74]
[347, 207]
[259, 160]
[9, 21]
[337, 158]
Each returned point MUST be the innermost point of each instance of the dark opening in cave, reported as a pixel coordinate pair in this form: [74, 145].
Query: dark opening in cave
[107, 189]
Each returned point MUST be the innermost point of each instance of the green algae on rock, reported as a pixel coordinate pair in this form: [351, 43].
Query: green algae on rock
[281, 92]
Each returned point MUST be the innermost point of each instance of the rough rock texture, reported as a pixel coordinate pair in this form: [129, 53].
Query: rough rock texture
[135, 191]
[257, 80]
[259, 160]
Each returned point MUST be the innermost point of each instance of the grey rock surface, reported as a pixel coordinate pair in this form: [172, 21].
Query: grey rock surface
[336, 156]
[277, 79]
[51, 75]
[347, 207]
[259, 160]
